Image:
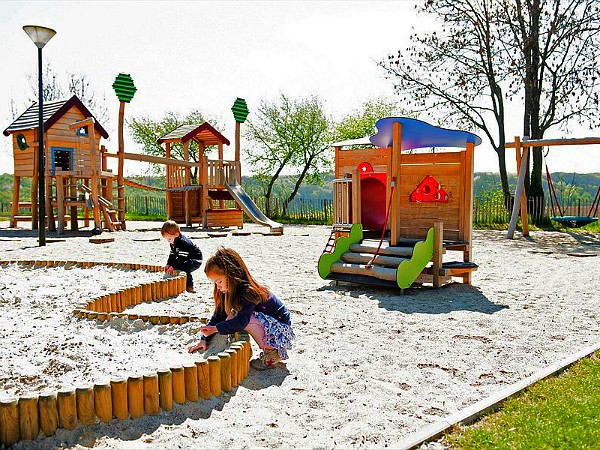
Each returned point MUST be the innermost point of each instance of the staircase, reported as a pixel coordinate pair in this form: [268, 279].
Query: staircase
[359, 263]
[111, 222]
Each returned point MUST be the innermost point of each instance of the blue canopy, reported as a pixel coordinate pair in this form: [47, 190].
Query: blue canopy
[419, 134]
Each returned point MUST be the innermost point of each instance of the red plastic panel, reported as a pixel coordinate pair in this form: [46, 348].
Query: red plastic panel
[429, 190]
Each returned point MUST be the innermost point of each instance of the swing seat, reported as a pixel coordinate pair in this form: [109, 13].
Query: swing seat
[574, 221]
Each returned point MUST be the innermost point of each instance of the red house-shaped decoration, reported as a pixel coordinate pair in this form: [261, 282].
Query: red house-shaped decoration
[429, 190]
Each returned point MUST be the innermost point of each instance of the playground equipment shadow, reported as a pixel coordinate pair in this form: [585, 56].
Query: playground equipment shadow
[437, 301]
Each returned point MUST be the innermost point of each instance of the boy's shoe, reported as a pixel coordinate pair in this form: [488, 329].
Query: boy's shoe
[190, 289]
[268, 360]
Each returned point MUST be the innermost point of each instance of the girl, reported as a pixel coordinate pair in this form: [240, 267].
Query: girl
[241, 303]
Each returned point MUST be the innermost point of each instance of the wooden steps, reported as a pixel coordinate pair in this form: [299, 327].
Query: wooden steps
[386, 249]
[382, 273]
[365, 258]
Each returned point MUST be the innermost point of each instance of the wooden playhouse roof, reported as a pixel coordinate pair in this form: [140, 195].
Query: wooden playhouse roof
[53, 111]
[204, 133]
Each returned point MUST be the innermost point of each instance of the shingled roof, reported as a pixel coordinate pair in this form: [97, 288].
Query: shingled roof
[53, 111]
[204, 133]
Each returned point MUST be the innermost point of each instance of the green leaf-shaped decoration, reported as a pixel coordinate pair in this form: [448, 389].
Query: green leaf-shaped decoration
[124, 87]
[240, 110]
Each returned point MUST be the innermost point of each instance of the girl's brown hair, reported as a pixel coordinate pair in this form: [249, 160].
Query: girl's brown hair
[240, 284]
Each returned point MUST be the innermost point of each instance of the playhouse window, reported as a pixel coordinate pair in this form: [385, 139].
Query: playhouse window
[82, 131]
[62, 158]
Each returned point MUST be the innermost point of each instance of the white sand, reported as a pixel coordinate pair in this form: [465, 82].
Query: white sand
[369, 366]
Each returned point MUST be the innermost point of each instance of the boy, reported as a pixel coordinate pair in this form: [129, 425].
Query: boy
[185, 255]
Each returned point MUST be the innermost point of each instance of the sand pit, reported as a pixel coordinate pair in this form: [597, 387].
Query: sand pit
[369, 367]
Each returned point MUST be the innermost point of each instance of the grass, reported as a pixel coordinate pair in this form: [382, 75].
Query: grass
[560, 412]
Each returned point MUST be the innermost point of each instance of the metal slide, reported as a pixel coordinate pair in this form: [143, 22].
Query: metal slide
[251, 210]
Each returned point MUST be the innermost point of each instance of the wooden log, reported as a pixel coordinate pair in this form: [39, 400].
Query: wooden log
[85, 405]
[102, 317]
[9, 422]
[135, 396]
[239, 355]
[145, 318]
[184, 319]
[225, 371]
[48, 411]
[103, 402]
[191, 382]
[67, 408]
[151, 403]
[203, 379]
[165, 389]
[234, 365]
[132, 316]
[214, 369]
[113, 302]
[118, 393]
[178, 384]
[174, 320]
[165, 320]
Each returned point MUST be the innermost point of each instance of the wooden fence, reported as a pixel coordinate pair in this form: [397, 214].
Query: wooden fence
[485, 211]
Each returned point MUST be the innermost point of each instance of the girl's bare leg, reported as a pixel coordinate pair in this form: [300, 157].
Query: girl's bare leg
[256, 330]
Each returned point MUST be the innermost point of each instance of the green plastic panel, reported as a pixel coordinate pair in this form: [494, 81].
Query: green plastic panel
[124, 87]
[341, 246]
[408, 271]
[240, 110]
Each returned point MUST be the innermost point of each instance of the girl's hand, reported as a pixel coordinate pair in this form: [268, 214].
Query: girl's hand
[202, 346]
[208, 330]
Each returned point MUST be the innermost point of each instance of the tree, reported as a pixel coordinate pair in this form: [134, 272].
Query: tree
[555, 66]
[146, 132]
[56, 87]
[289, 135]
[455, 74]
[361, 122]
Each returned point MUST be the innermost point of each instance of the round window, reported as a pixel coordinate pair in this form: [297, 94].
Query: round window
[22, 142]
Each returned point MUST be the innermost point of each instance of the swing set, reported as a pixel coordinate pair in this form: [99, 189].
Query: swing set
[522, 154]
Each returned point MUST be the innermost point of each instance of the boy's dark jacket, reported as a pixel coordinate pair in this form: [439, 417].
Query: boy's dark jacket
[183, 249]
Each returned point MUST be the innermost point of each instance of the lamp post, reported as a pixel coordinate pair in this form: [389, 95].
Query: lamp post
[40, 37]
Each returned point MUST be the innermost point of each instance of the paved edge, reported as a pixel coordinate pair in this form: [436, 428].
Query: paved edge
[493, 403]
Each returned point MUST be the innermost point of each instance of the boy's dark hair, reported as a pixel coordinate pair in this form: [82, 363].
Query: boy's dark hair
[170, 227]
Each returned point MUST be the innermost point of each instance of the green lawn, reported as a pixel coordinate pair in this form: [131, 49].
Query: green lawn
[560, 412]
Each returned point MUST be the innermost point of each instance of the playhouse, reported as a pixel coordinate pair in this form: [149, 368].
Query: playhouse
[77, 176]
[74, 176]
[400, 204]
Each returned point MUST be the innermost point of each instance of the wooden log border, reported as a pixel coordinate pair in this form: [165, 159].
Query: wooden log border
[112, 304]
[26, 417]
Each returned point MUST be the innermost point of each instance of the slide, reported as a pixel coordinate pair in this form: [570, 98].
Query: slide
[251, 210]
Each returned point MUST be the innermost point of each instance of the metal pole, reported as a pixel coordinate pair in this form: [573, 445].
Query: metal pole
[41, 181]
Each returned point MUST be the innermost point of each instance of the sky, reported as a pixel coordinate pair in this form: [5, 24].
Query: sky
[202, 55]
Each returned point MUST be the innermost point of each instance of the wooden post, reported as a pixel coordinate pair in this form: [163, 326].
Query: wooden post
[73, 194]
[523, 197]
[234, 365]
[191, 382]
[29, 425]
[135, 395]
[186, 194]
[121, 161]
[85, 405]
[225, 371]
[9, 421]
[356, 206]
[178, 384]
[169, 182]
[151, 393]
[239, 348]
[395, 177]
[67, 408]
[438, 251]
[203, 379]
[48, 411]
[519, 191]
[103, 402]
[118, 393]
[14, 210]
[214, 368]
[165, 389]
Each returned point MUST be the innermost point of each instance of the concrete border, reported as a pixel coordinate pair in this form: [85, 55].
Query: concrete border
[493, 403]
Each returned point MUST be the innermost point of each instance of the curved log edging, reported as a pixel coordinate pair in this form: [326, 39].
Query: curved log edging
[136, 395]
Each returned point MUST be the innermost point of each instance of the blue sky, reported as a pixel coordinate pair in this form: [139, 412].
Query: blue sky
[186, 55]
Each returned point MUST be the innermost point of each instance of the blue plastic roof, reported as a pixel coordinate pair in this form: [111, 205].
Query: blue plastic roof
[419, 134]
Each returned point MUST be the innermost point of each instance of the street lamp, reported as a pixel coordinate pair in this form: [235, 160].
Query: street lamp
[40, 37]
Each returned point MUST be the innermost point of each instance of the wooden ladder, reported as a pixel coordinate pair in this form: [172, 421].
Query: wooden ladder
[336, 231]
[111, 221]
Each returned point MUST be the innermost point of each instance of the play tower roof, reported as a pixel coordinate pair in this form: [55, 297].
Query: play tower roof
[204, 133]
